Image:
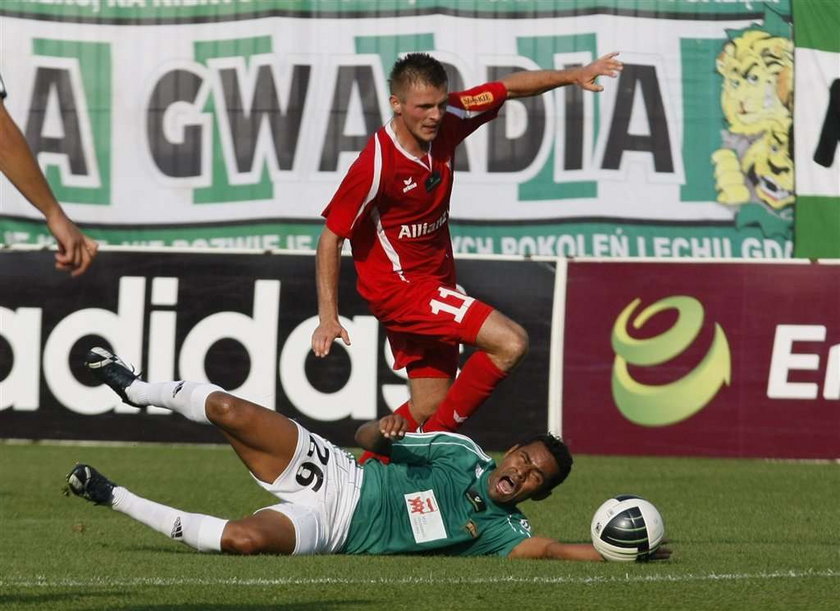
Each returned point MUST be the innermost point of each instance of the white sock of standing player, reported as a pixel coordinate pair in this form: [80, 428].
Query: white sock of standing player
[186, 398]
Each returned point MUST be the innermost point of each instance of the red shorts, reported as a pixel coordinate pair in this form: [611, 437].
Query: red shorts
[426, 329]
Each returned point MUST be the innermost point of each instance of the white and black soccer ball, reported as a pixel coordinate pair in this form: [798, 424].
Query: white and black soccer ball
[627, 528]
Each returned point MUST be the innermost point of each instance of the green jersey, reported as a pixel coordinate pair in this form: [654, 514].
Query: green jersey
[432, 498]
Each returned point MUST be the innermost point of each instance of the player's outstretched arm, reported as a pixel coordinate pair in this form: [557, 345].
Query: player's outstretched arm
[529, 83]
[75, 250]
[376, 436]
[327, 269]
[545, 548]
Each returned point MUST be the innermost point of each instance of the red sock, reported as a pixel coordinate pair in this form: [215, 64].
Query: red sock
[404, 411]
[476, 382]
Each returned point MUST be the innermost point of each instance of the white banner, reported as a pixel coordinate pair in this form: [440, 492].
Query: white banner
[178, 133]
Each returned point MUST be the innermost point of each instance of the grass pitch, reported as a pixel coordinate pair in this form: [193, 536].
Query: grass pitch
[746, 534]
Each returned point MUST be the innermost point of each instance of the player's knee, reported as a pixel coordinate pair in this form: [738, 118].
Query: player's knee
[516, 344]
[238, 539]
[223, 409]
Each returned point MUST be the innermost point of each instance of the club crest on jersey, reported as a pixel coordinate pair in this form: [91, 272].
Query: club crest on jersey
[409, 184]
[474, 101]
[475, 500]
[433, 181]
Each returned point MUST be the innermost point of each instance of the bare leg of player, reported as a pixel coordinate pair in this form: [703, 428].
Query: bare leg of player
[264, 440]
[502, 345]
[426, 395]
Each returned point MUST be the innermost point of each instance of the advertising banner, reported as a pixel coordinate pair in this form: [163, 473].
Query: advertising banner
[243, 321]
[818, 128]
[716, 359]
[231, 123]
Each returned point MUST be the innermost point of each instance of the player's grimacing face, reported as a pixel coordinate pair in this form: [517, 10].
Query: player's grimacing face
[420, 107]
[523, 472]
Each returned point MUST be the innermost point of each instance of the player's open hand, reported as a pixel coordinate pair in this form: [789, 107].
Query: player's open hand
[662, 553]
[393, 427]
[325, 334]
[606, 65]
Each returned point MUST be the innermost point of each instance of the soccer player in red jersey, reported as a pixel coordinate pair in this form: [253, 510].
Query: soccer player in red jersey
[393, 206]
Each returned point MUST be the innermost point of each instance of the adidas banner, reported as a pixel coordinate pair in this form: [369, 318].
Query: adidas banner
[244, 322]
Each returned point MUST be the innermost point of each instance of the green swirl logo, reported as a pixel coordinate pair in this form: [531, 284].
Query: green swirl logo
[666, 404]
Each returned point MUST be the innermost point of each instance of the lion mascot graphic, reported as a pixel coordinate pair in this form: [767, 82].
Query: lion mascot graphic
[754, 165]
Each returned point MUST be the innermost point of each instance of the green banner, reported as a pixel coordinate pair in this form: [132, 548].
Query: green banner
[817, 121]
[156, 11]
[544, 239]
[816, 25]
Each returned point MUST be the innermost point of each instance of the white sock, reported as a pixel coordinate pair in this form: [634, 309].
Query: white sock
[199, 531]
[186, 398]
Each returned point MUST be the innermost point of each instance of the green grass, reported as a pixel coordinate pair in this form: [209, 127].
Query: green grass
[746, 535]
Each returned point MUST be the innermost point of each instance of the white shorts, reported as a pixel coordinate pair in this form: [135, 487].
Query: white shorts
[318, 491]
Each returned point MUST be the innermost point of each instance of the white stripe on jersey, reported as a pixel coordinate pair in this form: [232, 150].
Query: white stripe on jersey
[389, 249]
[458, 440]
[518, 528]
[377, 177]
[464, 114]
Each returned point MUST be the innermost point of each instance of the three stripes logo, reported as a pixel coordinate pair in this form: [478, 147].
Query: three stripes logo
[177, 388]
[176, 529]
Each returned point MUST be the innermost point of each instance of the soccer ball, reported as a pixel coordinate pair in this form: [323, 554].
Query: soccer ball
[627, 528]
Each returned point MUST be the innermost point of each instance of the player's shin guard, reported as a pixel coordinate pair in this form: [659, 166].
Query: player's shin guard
[404, 411]
[477, 380]
[199, 531]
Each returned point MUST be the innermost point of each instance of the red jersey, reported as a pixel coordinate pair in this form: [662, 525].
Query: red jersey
[394, 207]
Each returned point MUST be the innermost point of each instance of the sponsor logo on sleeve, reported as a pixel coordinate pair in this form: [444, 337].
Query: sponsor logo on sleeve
[474, 101]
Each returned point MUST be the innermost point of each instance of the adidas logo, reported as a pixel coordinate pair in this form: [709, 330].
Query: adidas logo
[178, 388]
[176, 529]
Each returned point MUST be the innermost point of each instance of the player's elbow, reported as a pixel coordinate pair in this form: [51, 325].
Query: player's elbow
[359, 437]
[329, 241]
[363, 436]
[369, 438]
